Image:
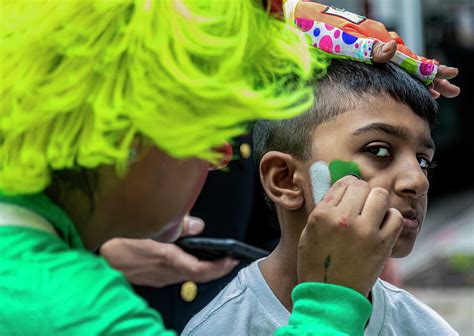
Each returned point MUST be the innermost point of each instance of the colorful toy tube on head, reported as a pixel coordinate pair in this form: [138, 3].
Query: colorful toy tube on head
[324, 175]
[343, 34]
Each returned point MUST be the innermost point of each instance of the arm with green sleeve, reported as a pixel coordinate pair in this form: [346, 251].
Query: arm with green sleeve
[326, 309]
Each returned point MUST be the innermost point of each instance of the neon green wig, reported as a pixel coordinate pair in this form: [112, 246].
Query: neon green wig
[81, 79]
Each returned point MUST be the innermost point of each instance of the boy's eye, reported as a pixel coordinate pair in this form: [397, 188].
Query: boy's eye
[379, 151]
[426, 164]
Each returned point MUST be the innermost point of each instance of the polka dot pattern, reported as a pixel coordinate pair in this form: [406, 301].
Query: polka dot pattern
[409, 65]
[348, 39]
[426, 68]
[305, 24]
[326, 44]
[329, 27]
[334, 40]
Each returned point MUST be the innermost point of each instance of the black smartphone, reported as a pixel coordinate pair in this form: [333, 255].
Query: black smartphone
[215, 248]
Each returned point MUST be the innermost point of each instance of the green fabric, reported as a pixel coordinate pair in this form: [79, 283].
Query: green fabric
[338, 169]
[53, 286]
[325, 309]
[42, 205]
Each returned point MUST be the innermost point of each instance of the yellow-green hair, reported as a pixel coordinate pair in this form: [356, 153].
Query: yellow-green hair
[80, 79]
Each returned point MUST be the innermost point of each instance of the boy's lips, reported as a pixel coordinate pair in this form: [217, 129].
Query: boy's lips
[411, 224]
[410, 220]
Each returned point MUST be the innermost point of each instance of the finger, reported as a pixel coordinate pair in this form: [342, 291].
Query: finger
[206, 271]
[192, 226]
[445, 88]
[375, 207]
[383, 52]
[180, 259]
[354, 198]
[445, 72]
[392, 226]
[435, 94]
[336, 192]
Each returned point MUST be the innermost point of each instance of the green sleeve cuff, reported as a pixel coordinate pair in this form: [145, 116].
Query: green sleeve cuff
[326, 309]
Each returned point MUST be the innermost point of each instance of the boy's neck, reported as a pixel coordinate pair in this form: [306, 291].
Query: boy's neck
[280, 271]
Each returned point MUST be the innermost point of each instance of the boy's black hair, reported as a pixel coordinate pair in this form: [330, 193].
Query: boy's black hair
[336, 92]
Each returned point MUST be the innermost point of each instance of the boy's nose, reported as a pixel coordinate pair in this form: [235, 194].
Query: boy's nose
[412, 181]
[226, 151]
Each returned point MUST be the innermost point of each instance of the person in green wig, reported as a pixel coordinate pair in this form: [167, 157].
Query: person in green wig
[111, 113]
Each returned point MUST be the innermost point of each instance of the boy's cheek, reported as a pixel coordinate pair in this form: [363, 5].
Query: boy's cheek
[422, 208]
[404, 244]
[307, 191]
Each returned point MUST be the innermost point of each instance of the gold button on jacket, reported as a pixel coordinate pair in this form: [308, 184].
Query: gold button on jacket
[245, 150]
[189, 291]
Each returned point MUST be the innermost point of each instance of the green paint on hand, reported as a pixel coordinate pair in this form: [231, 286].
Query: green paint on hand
[338, 169]
[327, 265]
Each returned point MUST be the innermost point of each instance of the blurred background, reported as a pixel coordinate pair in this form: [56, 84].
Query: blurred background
[440, 270]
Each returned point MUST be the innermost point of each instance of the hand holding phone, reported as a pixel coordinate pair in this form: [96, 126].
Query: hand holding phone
[215, 248]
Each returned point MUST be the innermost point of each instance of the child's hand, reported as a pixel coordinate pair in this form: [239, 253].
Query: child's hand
[383, 53]
[349, 236]
[441, 85]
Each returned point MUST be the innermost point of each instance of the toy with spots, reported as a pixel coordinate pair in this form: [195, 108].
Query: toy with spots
[347, 35]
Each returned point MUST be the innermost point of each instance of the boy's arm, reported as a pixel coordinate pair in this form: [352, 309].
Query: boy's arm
[342, 250]
[325, 309]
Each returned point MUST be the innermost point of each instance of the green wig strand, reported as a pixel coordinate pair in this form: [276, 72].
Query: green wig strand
[80, 80]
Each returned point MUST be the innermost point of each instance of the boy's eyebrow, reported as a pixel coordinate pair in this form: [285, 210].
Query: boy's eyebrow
[397, 131]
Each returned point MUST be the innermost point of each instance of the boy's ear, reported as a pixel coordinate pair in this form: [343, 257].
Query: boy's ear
[278, 174]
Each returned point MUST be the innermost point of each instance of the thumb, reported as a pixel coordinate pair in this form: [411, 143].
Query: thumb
[192, 226]
[383, 52]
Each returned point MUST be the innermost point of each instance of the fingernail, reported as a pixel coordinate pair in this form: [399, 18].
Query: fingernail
[195, 225]
[434, 94]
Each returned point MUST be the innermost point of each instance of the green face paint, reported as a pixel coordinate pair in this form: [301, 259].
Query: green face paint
[338, 169]
[323, 176]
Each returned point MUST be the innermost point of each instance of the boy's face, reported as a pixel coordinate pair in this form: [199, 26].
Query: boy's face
[393, 148]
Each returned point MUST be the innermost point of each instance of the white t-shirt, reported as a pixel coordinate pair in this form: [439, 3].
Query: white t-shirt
[247, 306]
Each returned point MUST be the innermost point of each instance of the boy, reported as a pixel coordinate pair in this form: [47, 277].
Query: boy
[378, 117]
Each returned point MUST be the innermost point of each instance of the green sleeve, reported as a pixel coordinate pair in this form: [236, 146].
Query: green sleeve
[326, 309]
